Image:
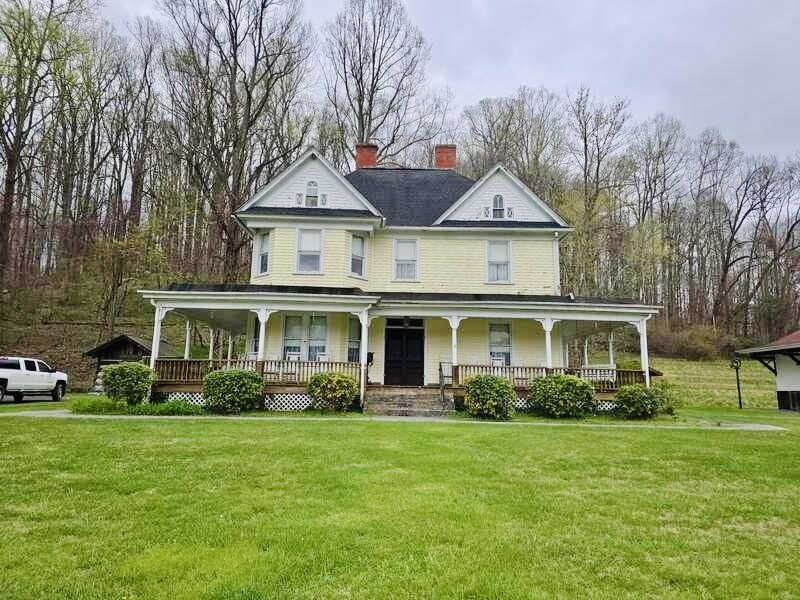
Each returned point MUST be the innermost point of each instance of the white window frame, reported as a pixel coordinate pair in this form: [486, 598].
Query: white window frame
[510, 266]
[262, 238]
[363, 274]
[315, 196]
[305, 339]
[352, 340]
[298, 235]
[416, 259]
[502, 207]
[510, 340]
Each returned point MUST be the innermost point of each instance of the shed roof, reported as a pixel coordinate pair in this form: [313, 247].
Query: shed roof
[164, 349]
[788, 344]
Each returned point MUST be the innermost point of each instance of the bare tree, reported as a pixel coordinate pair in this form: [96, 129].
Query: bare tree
[375, 79]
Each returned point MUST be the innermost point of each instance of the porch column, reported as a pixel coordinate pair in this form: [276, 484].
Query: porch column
[547, 324]
[454, 322]
[585, 352]
[230, 347]
[641, 327]
[187, 341]
[210, 343]
[364, 319]
[161, 312]
[610, 347]
[263, 316]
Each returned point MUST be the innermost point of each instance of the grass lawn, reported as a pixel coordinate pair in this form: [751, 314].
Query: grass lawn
[208, 508]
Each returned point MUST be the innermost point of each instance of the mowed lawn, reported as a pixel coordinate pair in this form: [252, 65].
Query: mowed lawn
[209, 508]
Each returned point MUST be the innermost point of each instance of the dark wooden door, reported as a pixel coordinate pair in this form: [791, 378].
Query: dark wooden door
[405, 357]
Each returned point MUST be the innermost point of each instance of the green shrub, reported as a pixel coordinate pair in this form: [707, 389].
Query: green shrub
[489, 397]
[169, 408]
[666, 394]
[636, 402]
[128, 381]
[332, 391]
[97, 405]
[561, 396]
[232, 390]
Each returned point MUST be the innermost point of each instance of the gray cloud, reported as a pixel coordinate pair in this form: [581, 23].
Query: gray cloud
[729, 64]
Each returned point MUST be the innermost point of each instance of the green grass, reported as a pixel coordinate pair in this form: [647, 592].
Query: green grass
[212, 508]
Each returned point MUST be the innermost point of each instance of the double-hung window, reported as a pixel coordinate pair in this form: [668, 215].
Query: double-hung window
[498, 262]
[500, 343]
[312, 194]
[358, 253]
[405, 259]
[309, 251]
[498, 210]
[354, 340]
[305, 336]
[263, 253]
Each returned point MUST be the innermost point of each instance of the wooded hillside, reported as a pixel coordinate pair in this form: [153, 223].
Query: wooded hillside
[124, 154]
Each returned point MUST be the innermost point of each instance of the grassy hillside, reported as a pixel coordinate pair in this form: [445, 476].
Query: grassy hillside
[713, 383]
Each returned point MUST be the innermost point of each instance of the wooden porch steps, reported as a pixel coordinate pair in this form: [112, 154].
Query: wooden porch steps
[402, 401]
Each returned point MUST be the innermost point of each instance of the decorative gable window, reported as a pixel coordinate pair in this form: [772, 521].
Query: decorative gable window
[498, 262]
[500, 344]
[309, 251]
[498, 210]
[312, 196]
[405, 259]
[357, 254]
[263, 254]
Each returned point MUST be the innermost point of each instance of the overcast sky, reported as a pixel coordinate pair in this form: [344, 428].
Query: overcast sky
[732, 64]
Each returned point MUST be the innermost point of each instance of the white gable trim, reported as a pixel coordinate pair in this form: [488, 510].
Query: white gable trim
[526, 191]
[311, 152]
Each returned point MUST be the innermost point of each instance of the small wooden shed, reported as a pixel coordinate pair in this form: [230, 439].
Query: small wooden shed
[122, 348]
[782, 358]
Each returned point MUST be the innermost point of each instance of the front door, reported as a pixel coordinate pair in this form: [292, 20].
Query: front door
[405, 352]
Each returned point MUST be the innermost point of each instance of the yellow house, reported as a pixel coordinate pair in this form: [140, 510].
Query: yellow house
[402, 277]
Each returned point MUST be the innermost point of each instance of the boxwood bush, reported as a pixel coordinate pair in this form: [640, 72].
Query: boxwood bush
[561, 397]
[232, 391]
[129, 382]
[489, 397]
[636, 402]
[332, 391]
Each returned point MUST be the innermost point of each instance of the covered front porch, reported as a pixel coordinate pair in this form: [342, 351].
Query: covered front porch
[290, 334]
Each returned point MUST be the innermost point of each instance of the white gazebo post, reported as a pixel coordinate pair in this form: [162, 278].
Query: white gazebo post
[161, 312]
[210, 344]
[611, 348]
[363, 318]
[641, 327]
[187, 341]
[547, 324]
[454, 322]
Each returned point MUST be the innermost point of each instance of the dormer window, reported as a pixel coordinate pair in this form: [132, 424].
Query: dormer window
[498, 210]
[312, 196]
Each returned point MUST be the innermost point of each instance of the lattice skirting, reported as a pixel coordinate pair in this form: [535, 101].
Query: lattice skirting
[195, 398]
[521, 403]
[601, 406]
[287, 402]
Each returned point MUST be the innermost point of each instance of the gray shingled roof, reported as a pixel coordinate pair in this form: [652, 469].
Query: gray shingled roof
[412, 197]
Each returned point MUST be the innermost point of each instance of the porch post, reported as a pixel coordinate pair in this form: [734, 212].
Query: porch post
[547, 324]
[230, 347]
[585, 352]
[363, 318]
[610, 347]
[263, 315]
[187, 340]
[641, 327]
[454, 322]
[161, 312]
[210, 343]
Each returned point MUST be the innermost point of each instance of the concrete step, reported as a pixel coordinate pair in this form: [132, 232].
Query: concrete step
[405, 401]
[407, 412]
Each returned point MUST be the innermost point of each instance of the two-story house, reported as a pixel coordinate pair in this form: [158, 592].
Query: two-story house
[397, 276]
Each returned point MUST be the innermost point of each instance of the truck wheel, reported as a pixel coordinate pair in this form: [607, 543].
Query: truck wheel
[58, 392]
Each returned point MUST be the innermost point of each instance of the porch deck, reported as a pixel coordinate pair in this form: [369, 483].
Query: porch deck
[176, 374]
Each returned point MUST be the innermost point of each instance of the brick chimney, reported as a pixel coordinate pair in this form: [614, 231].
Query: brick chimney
[444, 156]
[366, 156]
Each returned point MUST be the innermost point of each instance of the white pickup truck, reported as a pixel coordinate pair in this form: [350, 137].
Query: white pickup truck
[30, 377]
